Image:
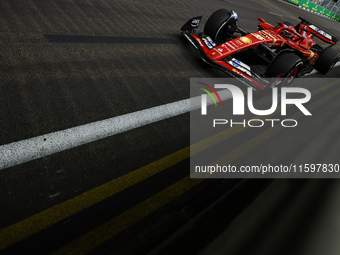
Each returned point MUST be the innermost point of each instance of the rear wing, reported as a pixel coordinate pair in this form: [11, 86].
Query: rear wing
[318, 32]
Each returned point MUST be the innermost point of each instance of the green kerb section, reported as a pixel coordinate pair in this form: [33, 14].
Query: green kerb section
[315, 8]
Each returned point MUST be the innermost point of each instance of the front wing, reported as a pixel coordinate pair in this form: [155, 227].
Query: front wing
[208, 51]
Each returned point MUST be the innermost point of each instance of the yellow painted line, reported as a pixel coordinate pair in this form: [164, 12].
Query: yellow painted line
[108, 230]
[48, 217]
[323, 88]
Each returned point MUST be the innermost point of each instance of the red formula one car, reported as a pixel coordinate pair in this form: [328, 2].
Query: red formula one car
[283, 51]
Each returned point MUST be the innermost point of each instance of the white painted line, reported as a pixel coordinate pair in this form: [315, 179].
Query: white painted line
[37, 147]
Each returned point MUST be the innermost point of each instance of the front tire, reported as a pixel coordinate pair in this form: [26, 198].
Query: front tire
[220, 26]
[287, 65]
[326, 60]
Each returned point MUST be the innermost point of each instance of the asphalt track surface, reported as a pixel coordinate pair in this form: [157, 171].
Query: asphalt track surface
[70, 63]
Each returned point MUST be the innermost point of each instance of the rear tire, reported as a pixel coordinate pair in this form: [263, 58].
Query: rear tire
[326, 60]
[287, 65]
[220, 26]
